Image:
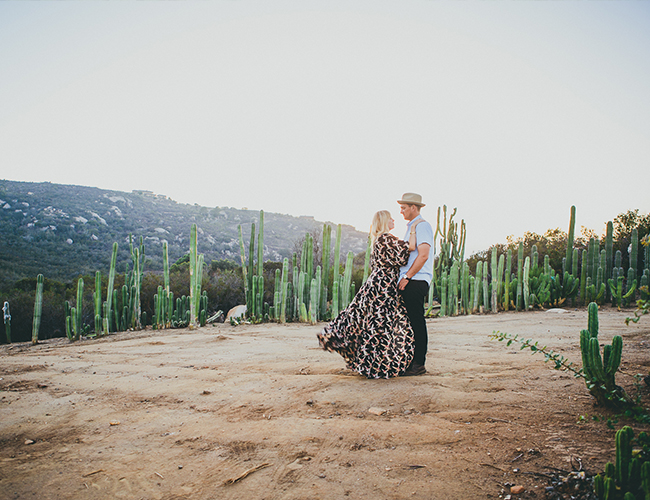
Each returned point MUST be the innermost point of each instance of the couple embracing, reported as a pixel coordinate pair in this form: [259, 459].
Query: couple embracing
[383, 333]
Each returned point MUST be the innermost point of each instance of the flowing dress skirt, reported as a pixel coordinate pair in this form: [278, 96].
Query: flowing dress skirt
[373, 334]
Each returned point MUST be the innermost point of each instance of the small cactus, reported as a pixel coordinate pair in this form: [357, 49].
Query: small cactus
[600, 372]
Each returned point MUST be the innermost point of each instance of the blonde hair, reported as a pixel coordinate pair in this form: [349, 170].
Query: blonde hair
[379, 224]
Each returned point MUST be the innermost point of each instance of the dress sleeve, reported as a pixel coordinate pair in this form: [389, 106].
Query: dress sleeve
[392, 251]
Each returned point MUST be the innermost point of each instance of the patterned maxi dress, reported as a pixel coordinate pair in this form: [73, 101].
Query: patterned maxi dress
[373, 334]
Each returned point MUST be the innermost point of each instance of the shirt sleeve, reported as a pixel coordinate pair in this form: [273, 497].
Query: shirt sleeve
[424, 233]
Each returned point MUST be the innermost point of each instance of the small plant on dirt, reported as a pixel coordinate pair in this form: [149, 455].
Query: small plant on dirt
[598, 372]
[642, 307]
[559, 361]
[629, 478]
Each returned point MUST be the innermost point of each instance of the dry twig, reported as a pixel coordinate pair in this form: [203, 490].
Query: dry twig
[93, 472]
[246, 473]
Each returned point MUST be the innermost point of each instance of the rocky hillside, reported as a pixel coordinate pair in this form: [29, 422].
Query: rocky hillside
[65, 231]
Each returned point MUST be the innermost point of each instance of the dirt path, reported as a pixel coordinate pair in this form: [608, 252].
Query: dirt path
[175, 414]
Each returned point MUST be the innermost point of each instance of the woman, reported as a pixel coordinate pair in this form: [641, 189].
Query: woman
[373, 333]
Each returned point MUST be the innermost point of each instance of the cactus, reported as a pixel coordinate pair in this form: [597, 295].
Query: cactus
[600, 372]
[326, 249]
[97, 303]
[486, 293]
[495, 280]
[7, 321]
[203, 310]
[314, 302]
[623, 456]
[78, 323]
[195, 283]
[366, 262]
[452, 240]
[569, 242]
[645, 479]
[347, 280]
[260, 246]
[609, 254]
[108, 305]
[464, 289]
[452, 290]
[38, 307]
[477, 286]
[500, 271]
[520, 268]
[443, 292]
[634, 251]
[242, 256]
[67, 311]
[525, 284]
[337, 255]
[506, 285]
[629, 478]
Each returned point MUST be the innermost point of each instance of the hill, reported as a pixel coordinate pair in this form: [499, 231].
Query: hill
[64, 231]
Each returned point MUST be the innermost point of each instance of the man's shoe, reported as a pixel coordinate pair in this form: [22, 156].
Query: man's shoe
[414, 370]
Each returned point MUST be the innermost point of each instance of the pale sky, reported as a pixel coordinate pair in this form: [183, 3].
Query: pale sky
[511, 111]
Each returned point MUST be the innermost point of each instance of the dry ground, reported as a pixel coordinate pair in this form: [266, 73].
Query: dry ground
[176, 414]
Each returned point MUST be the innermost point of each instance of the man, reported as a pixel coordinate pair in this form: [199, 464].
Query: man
[415, 277]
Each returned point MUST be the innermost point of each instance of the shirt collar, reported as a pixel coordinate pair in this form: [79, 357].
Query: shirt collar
[412, 221]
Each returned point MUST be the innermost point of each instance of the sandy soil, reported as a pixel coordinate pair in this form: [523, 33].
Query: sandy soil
[178, 413]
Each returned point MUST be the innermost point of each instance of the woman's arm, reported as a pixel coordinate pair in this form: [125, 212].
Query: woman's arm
[412, 237]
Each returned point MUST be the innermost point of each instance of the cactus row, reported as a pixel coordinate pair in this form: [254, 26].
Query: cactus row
[594, 274]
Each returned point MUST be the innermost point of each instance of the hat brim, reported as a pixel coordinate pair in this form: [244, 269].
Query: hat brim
[406, 202]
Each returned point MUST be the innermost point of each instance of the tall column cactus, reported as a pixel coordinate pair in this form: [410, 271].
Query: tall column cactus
[347, 281]
[260, 246]
[525, 284]
[506, 285]
[495, 284]
[634, 251]
[337, 255]
[108, 305]
[452, 239]
[78, 316]
[7, 320]
[366, 262]
[478, 279]
[242, 256]
[97, 303]
[464, 289]
[196, 276]
[38, 307]
[284, 290]
[520, 269]
[325, 286]
[609, 255]
[570, 237]
[486, 288]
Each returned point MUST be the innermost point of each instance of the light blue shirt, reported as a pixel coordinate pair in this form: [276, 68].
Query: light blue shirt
[423, 234]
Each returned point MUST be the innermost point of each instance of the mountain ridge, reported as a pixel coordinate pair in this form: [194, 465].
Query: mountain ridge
[64, 231]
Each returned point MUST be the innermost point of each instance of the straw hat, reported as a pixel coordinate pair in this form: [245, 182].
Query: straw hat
[411, 199]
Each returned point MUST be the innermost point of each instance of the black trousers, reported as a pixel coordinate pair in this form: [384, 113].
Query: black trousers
[414, 295]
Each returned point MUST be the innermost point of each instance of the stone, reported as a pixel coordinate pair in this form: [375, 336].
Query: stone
[517, 490]
[376, 411]
[236, 312]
